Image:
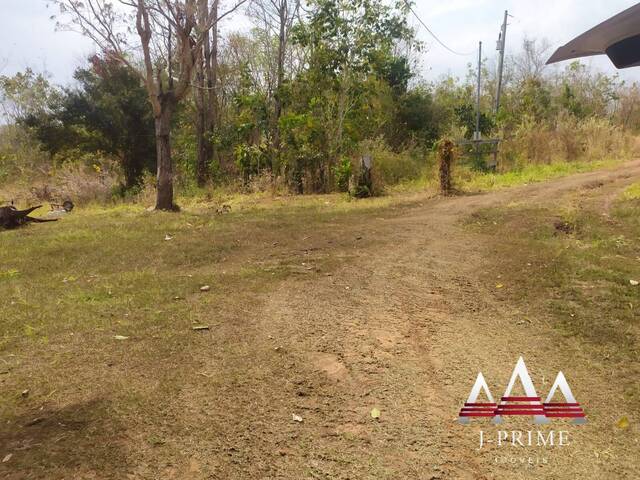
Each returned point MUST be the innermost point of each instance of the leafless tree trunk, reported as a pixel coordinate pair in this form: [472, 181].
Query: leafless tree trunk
[212, 85]
[277, 18]
[164, 198]
[282, 45]
[200, 95]
[446, 153]
[206, 96]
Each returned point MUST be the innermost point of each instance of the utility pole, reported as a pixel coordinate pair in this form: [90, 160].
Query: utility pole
[477, 132]
[501, 47]
[502, 41]
[477, 136]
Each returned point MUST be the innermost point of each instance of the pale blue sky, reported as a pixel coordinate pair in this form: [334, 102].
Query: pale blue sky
[28, 36]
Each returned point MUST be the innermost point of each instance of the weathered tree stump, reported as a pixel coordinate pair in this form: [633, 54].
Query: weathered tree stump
[446, 152]
[364, 182]
[11, 217]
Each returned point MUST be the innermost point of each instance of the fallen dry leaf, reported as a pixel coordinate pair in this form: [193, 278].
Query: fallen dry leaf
[375, 413]
[623, 423]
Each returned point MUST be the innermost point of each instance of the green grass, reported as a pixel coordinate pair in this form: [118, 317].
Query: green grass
[479, 181]
[101, 272]
[110, 270]
[633, 192]
[106, 271]
[467, 179]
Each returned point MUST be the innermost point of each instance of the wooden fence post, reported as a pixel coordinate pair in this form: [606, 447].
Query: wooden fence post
[445, 158]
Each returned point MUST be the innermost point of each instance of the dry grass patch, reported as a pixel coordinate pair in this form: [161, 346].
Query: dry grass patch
[573, 267]
[98, 313]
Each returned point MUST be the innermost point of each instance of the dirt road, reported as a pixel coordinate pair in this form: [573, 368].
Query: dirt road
[404, 327]
[390, 312]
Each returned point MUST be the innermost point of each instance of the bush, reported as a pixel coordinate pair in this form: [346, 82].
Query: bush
[342, 173]
[389, 167]
[566, 139]
[20, 155]
[82, 178]
[251, 159]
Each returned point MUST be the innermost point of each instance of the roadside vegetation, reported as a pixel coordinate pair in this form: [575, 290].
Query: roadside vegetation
[293, 110]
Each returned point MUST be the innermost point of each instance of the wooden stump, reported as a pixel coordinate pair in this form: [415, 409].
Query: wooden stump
[364, 184]
[445, 158]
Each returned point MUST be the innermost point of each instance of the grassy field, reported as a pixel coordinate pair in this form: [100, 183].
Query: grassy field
[110, 297]
[105, 375]
[485, 182]
[466, 179]
[578, 264]
[125, 271]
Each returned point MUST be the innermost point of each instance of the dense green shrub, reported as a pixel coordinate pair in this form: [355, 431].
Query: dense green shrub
[342, 172]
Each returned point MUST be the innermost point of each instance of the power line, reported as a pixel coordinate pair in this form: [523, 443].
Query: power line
[406, 2]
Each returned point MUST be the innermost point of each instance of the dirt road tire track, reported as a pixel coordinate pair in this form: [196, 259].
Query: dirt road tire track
[409, 325]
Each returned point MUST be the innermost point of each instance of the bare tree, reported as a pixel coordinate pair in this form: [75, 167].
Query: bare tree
[24, 94]
[532, 61]
[206, 95]
[276, 18]
[168, 36]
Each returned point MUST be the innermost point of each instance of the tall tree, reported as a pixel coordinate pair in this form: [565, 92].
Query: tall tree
[276, 18]
[25, 93]
[170, 33]
[350, 44]
[108, 112]
[206, 94]
[531, 62]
